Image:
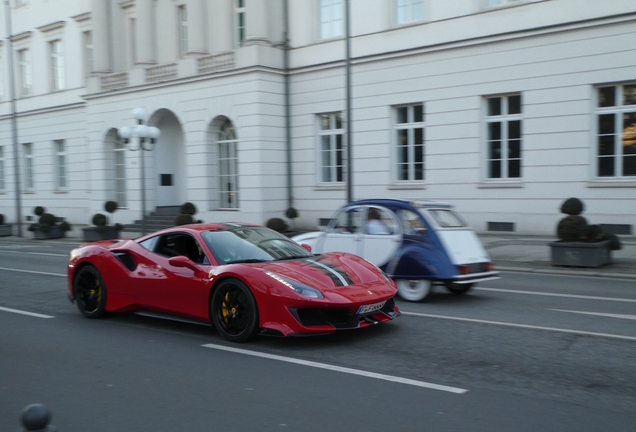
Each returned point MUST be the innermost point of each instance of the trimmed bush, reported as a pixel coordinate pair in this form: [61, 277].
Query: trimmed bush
[572, 228]
[277, 224]
[188, 209]
[39, 210]
[614, 242]
[47, 219]
[65, 226]
[1, 219]
[110, 206]
[593, 233]
[183, 219]
[291, 213]
[572, 207]
[100, 220]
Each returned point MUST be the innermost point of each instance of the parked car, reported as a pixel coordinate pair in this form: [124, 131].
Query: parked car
[244, 279]
[419, 244]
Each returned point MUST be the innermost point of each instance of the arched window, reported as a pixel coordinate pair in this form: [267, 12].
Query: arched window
[227, 166]
[119, 172]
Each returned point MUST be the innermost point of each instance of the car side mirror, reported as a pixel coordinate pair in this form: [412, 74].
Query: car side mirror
[184, 262]
[306, 246]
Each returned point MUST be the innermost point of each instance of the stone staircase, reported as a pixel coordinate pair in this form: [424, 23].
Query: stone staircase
[161, 218]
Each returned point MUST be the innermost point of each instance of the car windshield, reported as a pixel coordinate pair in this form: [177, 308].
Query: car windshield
[251, 244]
[446, 218]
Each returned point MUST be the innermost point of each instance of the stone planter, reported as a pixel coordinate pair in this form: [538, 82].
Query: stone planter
[92, 234]
[576, 254]
[6, 230]
[54, 233]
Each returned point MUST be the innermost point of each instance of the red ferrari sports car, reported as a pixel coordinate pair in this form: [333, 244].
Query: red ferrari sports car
[244, 279]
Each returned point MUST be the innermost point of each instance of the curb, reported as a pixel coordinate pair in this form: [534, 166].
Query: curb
[565, 272]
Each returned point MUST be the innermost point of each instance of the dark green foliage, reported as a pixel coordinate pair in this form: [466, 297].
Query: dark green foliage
[291, 213]
[593, 233]
[183, 219]
[277, 224]
[188, 209]
[39, 210]
[110, 206]
[47, 219]
[572, 207]
[100, 220]
[44, 227]
[572, 229]
[614, 242]
[119, 227]
[1, 219]
[65, 226]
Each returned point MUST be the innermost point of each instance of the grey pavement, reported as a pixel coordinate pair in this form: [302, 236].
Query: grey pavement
[509, 252]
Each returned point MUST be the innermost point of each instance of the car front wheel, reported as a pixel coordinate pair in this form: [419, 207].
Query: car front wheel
[234, 311]
[414, 290]
[90, 292]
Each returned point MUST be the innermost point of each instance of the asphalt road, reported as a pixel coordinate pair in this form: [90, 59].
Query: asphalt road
[524, 353]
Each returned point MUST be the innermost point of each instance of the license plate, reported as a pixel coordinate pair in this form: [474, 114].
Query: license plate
[371, 308]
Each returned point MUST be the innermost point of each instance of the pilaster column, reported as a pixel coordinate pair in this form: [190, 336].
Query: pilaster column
[143, 32]
[100, 20]
[196, 26]
[221, 14]
[256, 15]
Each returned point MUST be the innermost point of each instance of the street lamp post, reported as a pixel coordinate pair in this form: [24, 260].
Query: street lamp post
[146, 138]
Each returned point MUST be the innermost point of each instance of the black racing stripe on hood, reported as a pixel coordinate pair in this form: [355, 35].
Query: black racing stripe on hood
[341, 272]
[338, 281]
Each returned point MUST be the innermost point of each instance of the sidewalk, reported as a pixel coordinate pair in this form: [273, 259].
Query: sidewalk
[513, 252]
[509, 252]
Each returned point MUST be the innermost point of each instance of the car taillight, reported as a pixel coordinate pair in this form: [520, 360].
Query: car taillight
[463, 269]
[489, 266]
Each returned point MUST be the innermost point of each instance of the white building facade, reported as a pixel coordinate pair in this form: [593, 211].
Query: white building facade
[503, 107]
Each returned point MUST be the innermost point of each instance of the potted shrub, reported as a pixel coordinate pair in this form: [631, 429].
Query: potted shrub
[277, 224]
[48, 226]
[5, 229]
[101, 229]
[581, 244]
[186, 214]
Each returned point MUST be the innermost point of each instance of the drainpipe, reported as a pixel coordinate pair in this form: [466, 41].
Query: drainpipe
[290, 197]
[14, 120]
[349, 120]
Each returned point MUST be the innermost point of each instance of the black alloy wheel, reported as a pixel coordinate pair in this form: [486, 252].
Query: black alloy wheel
[234, 311]
[456, 288]
[90, 292]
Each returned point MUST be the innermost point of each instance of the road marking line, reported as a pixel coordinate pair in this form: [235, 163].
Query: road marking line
[525, 326]
[609, 315]
[339, 369]
[34, 253]
[33, 314]
[556, 295]
[33, 271]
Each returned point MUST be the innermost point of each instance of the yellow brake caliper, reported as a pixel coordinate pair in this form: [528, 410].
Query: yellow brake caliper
[224, 309]
[99, 291]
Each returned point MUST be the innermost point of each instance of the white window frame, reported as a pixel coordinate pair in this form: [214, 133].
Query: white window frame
[331, 19]
[240, 24]
[411, 125]
[505, 141]
[619, 110]
[25, 75]
[182, 29]
[227, 164]
[28, 163]
[119, 173]
[89, 57]
[1, 73]
[61, 165]
[56, 55]
[408, 11]
[329, 171]
[2, 170]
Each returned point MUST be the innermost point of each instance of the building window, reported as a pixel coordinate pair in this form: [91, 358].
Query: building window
[228, 166]
[57, 65]
[616, 134]
[503, 131]
[2, 185]
[332, 152]
[183, 31]
[28, 166]
[408, 10]
[25, 76]
[240, 22]
[1, 77]
[89, 65]
[119, 172]
[409, 135]
[331, 18]
[61, 180]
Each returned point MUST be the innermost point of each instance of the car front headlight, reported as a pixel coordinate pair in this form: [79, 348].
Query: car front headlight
[301, 289]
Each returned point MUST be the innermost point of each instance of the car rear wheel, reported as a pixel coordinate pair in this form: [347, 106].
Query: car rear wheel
[456, 288]
[90, 292]
[414, 290]
[234, 311]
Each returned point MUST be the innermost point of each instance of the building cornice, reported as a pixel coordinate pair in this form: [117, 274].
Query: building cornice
[21, 36]
[82, 17]
[51, 27]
